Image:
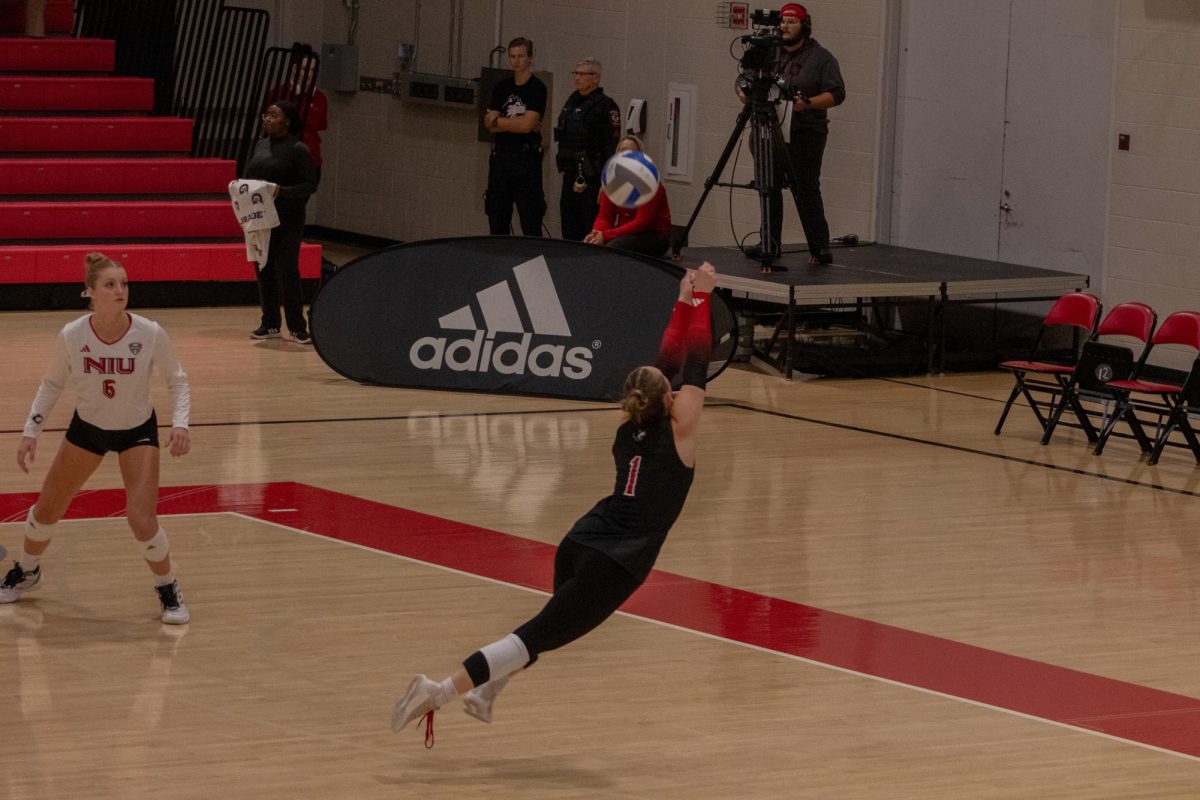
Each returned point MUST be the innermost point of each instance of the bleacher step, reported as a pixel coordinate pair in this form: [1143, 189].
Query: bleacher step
[205, 219]
[93, 93]
[95, 134]
[57, 55]
[143, 262]
[110, 176]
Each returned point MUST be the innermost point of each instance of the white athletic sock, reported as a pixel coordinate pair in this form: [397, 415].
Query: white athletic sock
[447, 692]
[163, 580]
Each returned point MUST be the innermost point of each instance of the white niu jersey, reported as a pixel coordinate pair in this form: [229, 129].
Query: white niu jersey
[111, 379]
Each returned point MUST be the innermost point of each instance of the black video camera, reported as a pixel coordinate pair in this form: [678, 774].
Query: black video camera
[766, 35]
[765, 18]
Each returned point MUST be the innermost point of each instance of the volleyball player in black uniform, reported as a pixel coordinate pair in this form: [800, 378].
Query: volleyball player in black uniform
[610, 551]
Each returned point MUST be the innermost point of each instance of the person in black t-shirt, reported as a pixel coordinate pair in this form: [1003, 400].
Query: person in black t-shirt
[610, 551]
[515, 114]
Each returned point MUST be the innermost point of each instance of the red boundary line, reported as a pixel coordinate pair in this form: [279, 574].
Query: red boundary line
[1069, 697]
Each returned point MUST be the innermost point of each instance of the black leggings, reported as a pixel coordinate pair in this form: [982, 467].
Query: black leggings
[588, 588]
[279, 279]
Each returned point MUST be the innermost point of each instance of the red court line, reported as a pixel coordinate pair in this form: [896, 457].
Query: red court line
[1078, 699]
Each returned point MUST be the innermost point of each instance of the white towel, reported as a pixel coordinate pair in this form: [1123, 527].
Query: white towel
[254, 207]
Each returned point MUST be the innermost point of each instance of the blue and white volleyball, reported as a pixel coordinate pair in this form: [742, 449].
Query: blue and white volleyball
[630, 179]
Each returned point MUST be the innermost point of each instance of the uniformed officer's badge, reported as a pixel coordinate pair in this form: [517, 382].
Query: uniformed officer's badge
[135, 347]
[37, 419]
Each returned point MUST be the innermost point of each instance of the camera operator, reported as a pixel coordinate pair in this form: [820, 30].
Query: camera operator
[810, 74]
[588, 129]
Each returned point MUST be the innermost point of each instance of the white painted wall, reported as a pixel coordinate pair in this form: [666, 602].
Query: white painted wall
[407, 172]
[1153, 243]
[410, 172]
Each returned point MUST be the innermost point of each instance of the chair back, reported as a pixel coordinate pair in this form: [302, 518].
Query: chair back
[1078, 308]
[1180, 327]
[1136, 320]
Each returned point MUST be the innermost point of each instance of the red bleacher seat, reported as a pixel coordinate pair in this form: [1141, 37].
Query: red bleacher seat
[83, 176]
[54, 93]
[95, 134]
[224, 261]
[18, 265]
[204, 219]
[57, 55]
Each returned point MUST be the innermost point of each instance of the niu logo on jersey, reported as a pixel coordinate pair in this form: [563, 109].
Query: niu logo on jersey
[109, 365]
[484, 351]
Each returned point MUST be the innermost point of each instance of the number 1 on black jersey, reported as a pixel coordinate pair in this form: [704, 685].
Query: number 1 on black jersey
[631, 481]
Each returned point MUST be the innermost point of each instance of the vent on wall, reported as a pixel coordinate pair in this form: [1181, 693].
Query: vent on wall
[681, 105]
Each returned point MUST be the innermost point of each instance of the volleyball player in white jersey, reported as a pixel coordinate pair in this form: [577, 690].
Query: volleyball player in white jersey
[108, 357]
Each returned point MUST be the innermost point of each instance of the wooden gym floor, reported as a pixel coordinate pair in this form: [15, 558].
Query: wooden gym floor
[868, 596]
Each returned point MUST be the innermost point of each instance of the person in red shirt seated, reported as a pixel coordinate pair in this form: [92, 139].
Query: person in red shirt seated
[645, 229]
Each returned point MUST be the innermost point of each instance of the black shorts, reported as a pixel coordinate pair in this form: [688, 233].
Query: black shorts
[99, 441]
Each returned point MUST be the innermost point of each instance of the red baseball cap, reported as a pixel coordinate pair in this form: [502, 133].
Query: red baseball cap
[794, 10]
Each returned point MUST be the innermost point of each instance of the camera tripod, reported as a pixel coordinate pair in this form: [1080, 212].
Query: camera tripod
[769, 149]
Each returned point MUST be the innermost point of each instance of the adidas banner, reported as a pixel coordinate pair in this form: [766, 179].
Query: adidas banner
[502, 314]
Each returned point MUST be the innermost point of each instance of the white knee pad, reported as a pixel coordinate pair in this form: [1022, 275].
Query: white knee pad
[36, 531]
[505, 656]
[156, 548]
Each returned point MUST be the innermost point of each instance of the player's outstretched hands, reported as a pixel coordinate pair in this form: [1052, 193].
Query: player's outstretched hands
[685, 286]
[705, 278]
[26, 449]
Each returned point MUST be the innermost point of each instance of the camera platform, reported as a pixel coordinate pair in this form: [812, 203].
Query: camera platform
[867, 288]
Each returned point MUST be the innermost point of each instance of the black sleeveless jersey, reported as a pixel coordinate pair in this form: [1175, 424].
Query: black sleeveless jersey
[631, 524]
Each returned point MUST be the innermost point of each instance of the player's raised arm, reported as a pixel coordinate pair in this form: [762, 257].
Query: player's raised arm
[689, 401]
[674, 345]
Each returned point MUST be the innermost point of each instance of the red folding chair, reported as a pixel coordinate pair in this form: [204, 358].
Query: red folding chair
[1042, 373]
[1104, 360]
[1170, 403]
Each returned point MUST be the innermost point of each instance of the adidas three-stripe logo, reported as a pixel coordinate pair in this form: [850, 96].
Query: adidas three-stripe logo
[503, 345]
[499, 307]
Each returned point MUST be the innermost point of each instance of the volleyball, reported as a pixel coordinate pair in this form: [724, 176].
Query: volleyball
[630, 179]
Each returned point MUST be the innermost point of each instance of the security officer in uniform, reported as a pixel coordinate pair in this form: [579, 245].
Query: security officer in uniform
[587, 133]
